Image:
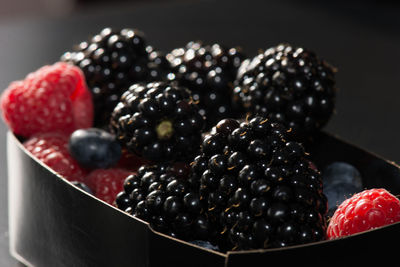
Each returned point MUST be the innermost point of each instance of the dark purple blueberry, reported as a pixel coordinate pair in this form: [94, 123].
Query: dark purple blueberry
[94, 148]
[82, 186]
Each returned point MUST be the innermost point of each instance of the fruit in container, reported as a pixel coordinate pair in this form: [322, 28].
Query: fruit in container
[158, 121]
[250, 185]
[113, 60]
[258, 187]
[164, 196]
[366, 210]
[208, 71]
[54, 98]
[106, 183]
[290, 85]
[94, 148]
[341, 180]
[52, 150]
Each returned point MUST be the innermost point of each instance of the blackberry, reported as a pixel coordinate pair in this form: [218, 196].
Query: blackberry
[208, 71]
[159, 67]
[290, 85]
[163, 196]
[111, 61]
[258, 187]
[158, 121]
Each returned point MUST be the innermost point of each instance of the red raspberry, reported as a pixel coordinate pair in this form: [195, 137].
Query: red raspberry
[107, 183]
[52, 150]
[363, 211]
[53, 98]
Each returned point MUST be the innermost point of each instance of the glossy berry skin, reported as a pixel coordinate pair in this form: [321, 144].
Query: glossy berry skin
[52, 150]
[106, 183]
[341, 180]
[208, 71]
[163, 196]
[258, 187]
[158, 121]
[94, 148]
[204, 244]
[290, 85]
[112, 60]
[54, 98]
[82, 186]
[366, 210]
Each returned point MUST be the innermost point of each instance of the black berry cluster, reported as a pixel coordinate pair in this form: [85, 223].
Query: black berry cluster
[158, 121]
[164, 196]
[258, 186]
[250, 184]
[113, 60]
[289, 85]
[208, 71]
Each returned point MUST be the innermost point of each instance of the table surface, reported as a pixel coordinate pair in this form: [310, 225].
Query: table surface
[361, 41]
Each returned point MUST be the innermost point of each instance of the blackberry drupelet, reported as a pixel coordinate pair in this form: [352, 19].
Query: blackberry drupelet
[164, 196]
[111, 61]
[209, 72]
[158, 121]
[258, 186]
[159, 67]
[290, 85]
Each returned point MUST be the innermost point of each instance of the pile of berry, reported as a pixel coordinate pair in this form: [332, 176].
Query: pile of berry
[201, 143]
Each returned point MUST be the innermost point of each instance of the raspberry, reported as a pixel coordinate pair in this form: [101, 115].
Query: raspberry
[53, 98]
[107, 183]
[364, 211]
[52, 150]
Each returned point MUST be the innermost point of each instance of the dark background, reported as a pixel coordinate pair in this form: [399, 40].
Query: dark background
[362, 39]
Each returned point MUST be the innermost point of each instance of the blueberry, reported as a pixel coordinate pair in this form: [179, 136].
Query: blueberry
[340, 180]
[94, 148]
[341, 172]
[337, 194]
[82, 186]
[204, 244]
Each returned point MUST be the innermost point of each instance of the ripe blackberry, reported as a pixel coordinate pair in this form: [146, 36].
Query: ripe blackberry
[158, 121]
[163, 196]
[290, 85]
[111, 61]
[258, 187]
[208, 71]
[158, 65]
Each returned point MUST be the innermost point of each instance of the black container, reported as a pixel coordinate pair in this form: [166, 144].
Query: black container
[53, 223]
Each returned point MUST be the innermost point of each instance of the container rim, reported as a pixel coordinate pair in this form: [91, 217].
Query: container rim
[17, 141]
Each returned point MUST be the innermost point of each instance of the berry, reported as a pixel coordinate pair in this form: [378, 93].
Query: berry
[337, 194]
[204, 244]
[341, 172]
[111, 61]
[159, 67]
[52, 150]
[289, 85]
[53, 98]
[340, 181]
[82, 186]
[94, 148]
[106, 183]
[366, 210]
[158, 121]
[208, 71]
[164, 196]
[258, 187]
